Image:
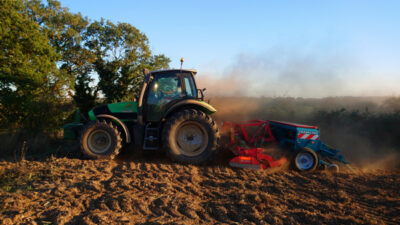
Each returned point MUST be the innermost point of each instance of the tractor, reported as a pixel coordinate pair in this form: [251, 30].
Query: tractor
[170, 113]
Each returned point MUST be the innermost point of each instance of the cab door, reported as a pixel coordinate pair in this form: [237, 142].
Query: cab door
[165, 90]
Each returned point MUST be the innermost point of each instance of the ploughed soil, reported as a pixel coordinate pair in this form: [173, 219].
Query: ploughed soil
[154, 190]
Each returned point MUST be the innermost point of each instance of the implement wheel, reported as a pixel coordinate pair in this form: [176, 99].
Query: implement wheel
[100, 139]
[306, 160]
[190, 136]
[334, 168]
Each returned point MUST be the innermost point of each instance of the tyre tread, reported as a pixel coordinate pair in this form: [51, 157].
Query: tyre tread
[104, 124]
[188, 114]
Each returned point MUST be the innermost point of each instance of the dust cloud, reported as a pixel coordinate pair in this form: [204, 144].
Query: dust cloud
[284, 85]
[286, 73]
[352, 138]
[362, 153]
[279, 73]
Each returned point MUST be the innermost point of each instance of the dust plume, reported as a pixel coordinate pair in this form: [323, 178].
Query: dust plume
[364, 153]
[278, 73]
[281, 84]
[282, 73]
[362, 129]
[386, 161]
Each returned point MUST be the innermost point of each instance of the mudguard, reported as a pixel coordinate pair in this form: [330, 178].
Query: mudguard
[122, 124]
[192, 103]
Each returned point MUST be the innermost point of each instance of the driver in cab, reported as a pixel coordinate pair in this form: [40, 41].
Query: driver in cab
[165, 90]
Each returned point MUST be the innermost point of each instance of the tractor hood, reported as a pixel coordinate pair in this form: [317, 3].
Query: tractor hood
[121, 110]
[123, 107]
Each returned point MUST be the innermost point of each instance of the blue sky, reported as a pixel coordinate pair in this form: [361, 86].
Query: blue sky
[350, 47]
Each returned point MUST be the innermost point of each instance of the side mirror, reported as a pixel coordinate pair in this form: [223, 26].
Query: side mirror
[201, 93]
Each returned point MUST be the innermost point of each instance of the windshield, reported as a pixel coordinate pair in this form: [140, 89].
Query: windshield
[164, 89]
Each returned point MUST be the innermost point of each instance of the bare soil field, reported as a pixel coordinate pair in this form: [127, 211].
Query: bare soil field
[158, 191]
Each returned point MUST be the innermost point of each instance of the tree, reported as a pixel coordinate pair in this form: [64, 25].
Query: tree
[31, 86]
[48, 53]
[85, 96]
[65, 31]
[117, 53]
[121, 53]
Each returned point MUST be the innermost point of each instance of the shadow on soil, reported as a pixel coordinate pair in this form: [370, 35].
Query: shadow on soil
[130, 153]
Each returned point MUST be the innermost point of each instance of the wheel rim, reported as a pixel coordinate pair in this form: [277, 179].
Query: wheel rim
[191, 138]
[99, 141]
[305, 161]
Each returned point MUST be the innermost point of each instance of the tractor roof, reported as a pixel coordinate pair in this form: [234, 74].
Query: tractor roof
[175, 70]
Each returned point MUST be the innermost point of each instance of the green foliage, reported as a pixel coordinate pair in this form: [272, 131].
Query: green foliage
[48, 54]
[85, 96]
[31, 86]
[122, 52]
[65, 31]
[117, 53]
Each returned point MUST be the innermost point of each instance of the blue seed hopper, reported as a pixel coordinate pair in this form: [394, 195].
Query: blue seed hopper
[304, 141]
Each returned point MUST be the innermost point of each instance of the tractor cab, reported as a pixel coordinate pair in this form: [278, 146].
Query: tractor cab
[165, 88]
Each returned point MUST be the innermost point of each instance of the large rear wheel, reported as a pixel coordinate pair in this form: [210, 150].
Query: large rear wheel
[100, 139]
[191, 136]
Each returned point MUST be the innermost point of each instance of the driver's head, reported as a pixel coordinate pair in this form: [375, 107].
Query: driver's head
[168, 85]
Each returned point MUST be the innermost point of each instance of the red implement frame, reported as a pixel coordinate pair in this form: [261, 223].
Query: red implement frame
[262, 135]
[252, 157]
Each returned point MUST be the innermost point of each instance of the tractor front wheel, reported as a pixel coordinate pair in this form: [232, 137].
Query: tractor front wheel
[190, 136]
[100, 139]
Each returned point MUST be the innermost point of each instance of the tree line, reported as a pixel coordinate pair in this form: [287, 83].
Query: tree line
[53, 61]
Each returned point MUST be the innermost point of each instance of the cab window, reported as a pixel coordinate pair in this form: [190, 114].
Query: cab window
[165, 89]
[190, 88]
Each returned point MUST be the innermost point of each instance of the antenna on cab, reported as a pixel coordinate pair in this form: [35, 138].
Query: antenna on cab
[182, 60]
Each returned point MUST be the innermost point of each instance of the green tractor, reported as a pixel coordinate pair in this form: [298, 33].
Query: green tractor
[170, 113]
